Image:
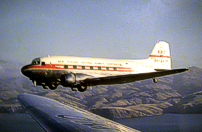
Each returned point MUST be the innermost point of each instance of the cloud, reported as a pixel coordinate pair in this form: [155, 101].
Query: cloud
[1, 68]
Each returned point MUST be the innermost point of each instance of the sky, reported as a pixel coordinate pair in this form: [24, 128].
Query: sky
[101, 28]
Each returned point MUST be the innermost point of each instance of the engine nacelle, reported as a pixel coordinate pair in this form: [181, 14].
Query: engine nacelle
[70, 80]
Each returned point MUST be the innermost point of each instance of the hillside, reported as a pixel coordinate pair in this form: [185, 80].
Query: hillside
[181, 93]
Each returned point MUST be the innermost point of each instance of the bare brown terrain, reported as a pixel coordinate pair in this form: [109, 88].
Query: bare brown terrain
[181, 93]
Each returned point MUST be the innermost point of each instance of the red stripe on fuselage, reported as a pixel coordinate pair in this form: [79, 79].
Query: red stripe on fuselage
[159, 56]
[70, 67]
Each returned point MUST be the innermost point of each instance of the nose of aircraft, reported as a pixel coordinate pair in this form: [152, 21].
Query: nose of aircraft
[23, 69]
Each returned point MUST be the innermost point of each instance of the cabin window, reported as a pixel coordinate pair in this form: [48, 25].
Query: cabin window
[83, 67]
[43, 63]
[34, 62]
[74, 66]
[107, 68]
[65, 66]
[115, 69]
[91, 67]
[99, 68]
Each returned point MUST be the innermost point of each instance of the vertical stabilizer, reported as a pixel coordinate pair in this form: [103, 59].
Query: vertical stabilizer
[160, 56]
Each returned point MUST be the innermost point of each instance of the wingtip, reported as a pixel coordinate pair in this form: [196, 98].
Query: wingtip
[185, 69]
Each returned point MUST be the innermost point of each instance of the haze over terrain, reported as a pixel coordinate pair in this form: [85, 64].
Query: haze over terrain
[106, 29]
[181, 93]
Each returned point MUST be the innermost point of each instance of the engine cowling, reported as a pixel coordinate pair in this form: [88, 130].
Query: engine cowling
[68, 80]
[71, 80]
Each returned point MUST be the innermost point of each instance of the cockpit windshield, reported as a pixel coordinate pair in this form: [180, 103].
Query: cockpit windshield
[36, 61]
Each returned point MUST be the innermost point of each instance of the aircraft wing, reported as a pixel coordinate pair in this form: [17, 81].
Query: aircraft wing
[120, 79]
[54, 116]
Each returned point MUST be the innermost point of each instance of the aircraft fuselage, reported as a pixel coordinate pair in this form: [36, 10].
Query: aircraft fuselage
[51, 69]
[80, 72]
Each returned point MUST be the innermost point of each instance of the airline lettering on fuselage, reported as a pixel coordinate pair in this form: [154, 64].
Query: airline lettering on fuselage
[72, 62]
[114, 64]
[161, 51]
[160, 60]
[60, 61]
[86, 62]
[99, 63]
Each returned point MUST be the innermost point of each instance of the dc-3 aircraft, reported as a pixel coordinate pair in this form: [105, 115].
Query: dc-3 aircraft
[80, 72]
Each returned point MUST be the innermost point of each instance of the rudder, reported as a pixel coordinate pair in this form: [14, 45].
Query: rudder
[160, 56]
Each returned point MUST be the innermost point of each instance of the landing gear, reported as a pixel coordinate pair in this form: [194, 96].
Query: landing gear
[155, 80]
[80, 88]
[73, 88]
[34, 82]
[46, 84]
[45, 87]
[52, 86]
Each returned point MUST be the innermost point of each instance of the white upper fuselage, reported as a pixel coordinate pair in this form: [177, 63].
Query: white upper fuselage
[96, 66]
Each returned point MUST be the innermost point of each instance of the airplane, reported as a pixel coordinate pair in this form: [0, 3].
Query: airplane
[54, 116]
[78, 73]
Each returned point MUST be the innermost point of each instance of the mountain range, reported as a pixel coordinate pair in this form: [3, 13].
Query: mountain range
[180, 93]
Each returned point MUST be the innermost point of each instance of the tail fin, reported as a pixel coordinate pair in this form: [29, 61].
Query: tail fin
[160, 56]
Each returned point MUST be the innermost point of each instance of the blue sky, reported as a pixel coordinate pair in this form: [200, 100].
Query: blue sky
[101, 28]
